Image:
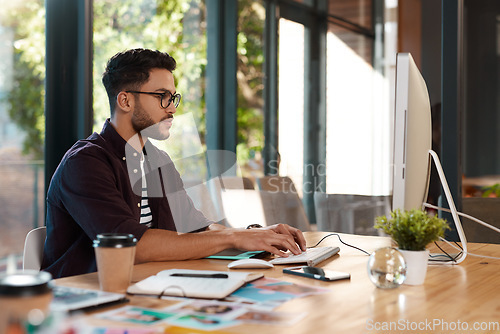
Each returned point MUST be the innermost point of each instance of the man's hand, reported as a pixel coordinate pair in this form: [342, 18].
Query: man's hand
[275, 239]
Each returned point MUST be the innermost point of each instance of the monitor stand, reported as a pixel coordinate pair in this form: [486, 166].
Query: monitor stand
[455, 258]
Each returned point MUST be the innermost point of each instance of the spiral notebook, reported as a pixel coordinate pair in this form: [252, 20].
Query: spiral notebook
[193, 283]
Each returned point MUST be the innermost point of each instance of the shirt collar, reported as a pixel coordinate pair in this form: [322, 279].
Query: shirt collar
[118, 144]
[112, 137]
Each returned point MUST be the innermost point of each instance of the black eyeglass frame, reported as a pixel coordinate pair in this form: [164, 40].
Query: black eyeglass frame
[173, 97]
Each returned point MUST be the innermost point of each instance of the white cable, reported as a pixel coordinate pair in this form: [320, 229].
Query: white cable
[427, 205]
[468, 253]
[496, 229]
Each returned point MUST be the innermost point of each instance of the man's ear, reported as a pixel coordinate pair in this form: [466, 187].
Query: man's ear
[125, 101]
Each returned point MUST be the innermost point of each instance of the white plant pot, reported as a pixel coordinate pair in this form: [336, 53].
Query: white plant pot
[416, 266]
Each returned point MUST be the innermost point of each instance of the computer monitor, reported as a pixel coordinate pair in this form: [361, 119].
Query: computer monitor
[412, 136]
[412, 152]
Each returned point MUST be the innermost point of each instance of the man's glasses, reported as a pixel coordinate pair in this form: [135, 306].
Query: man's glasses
[165, 98]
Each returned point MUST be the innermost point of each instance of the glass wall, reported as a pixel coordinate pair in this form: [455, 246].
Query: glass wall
[480, 154]
[250, 79]
[481, 150]
[358, 140]
[179, 28]
[173, 26]
[22, 72]
[291, 101]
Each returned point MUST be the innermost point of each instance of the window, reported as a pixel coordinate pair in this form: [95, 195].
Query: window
[291, 101]
[355, 11]
[250, 76]
[358, 119]
[176, 27]
[22, 71]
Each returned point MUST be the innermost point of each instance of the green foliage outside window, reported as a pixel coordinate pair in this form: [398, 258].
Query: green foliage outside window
[250, 76]
[26, 21]
[175, 26]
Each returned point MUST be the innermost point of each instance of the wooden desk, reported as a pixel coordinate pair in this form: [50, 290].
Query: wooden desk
[454, 295]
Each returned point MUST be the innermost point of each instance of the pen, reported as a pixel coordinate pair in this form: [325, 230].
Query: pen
[200, 275]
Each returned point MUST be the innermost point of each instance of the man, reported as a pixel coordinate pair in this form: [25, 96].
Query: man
[116, 181]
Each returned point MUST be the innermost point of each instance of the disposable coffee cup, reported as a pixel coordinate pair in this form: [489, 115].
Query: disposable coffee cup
[24, 294]
[115, 254]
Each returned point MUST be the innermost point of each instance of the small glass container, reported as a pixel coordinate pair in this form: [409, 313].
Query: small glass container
[387, 268]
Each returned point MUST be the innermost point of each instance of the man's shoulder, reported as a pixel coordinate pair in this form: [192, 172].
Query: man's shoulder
[95, 144]
[90, 153]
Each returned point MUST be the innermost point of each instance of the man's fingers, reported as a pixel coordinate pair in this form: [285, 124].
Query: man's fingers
[276, 240]
[288, 242]
[273, 250]
[299, 239]
[295, 233]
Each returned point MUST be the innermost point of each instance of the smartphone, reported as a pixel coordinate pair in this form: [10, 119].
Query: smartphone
[317, 273]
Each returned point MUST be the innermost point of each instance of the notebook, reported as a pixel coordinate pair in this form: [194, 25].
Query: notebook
[193, 283]
[312, 256]
[72, 299]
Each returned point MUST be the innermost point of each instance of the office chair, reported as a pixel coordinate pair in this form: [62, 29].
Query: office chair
[276, 183]
[33, 248]
[346, 213]
[244, 207]
[281, 202]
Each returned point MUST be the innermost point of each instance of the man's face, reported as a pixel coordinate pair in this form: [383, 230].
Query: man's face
[149, 118]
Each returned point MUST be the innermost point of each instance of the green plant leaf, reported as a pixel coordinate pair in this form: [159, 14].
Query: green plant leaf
[413, 229]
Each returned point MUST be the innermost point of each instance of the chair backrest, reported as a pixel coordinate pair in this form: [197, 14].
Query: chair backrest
[281, 202]
[219, 185]
[236, 182]
[206, 196]
[202, 200]
[33, 248]
[245, 207]
[276, 183]
[242, 207]
[348, 213]
[282, 207]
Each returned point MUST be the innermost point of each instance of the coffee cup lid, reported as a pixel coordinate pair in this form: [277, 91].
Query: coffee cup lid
[25, 283]
[115, 240]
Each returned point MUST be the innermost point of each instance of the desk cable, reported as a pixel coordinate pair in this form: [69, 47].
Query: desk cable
[457, 246]
[335, 234]
[451, 258]
[468, 253]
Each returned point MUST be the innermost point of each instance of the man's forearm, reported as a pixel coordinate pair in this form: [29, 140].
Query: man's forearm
[163, 245]
[215, 227]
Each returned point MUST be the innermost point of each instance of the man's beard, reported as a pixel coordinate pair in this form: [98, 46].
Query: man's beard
[144, 125]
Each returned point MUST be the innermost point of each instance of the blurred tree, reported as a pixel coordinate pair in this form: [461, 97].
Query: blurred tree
[175, 26]
[26, 19]
[251, 18]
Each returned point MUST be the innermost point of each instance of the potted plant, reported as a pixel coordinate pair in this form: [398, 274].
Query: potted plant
[413, 230]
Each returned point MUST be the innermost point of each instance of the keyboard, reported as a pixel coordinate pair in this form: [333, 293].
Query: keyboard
[311, 256]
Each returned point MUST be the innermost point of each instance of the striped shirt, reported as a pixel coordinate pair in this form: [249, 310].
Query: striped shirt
[146, 215]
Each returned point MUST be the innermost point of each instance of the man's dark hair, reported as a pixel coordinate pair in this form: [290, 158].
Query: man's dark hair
[130, 69]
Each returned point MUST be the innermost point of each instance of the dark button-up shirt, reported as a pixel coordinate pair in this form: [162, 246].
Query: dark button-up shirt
[97, 189]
